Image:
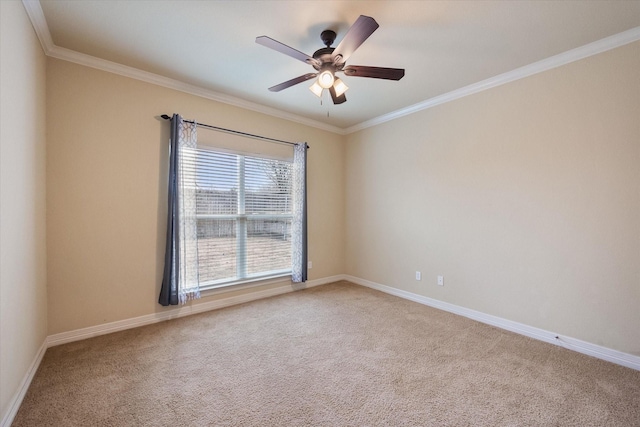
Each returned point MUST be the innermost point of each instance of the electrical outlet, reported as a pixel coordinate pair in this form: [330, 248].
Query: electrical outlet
[310, 265]
[418, 275]
[440, 280]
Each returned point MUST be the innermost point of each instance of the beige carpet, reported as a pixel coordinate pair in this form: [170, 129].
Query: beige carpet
[335, 355]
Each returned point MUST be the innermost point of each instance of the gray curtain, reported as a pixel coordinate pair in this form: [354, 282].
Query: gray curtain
[180, 282]
[299, 227]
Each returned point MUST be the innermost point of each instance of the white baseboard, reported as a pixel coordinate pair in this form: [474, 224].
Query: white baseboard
[604, 353]
[584, 347]
[16, 401]
[107, 328]
[180, 311]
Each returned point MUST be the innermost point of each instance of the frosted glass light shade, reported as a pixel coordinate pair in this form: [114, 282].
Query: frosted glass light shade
[316, 89]
[340, 87]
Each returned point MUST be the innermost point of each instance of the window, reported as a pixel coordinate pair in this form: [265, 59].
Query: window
[231, 218]
[244, 213]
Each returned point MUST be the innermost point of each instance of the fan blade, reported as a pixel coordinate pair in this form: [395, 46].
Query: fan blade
[337, 99]
[374, 72]
[283, 48]
[357, 34]
[292, 82]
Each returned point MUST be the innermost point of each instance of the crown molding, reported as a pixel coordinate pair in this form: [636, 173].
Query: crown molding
[156, 79]
[34, 11]
[36, 15]
[564, 58]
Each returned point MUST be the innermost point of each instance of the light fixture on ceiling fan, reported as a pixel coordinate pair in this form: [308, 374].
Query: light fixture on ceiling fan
[327, 61]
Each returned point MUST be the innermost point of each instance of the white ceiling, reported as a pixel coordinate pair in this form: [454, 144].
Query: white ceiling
[443, 45]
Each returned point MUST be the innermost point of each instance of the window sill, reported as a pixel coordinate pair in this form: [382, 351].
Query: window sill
[214, 289]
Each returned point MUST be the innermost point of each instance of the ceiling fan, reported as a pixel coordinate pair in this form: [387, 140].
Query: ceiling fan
[328, 61]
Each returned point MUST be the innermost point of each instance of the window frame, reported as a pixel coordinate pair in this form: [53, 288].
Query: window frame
[241, 219]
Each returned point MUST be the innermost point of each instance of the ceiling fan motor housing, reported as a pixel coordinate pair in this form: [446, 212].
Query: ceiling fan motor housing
[325, 55]
[325, 58]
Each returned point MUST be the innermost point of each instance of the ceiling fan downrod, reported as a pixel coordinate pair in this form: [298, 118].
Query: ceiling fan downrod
[328, 37]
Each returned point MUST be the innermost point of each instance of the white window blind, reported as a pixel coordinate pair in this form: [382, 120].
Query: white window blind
[244, 214]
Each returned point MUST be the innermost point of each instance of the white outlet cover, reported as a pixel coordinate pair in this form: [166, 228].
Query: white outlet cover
[440, 280]
[310, 264]
[418, 275]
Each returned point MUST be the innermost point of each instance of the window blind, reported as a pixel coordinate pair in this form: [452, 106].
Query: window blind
[244, 213]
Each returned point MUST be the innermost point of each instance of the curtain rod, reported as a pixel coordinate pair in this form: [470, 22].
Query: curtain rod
[236, 132]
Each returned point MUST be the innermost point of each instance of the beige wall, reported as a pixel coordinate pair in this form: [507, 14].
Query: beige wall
[106, 195]
[526, 197]
[23, 293]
